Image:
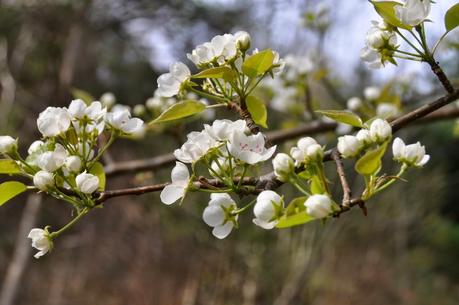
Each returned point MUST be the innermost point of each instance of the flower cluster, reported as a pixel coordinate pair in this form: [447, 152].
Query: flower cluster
[380, 43]
[375, 102]
[64, 163]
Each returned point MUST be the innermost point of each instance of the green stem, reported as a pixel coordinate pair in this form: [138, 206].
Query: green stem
[438, 42]
[70, 224]
[408, 58]
[102, 151]
[390, 182]
[408, 53]
[208, 95]
[235, 212]
[409, 42]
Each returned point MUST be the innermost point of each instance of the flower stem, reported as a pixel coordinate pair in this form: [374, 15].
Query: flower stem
[70, 224]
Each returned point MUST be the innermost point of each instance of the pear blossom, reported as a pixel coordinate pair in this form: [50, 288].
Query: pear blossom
[40, 241]
[53, 121]
[243, 40]
[386, 110]
[219, 167]
[79, 110]
[221, 48]
[221, 130]
[319, 206]
[379, 45]
[196, 146]
[363, 135]
[380, 130]
[169, 84]
[354, 103]
[43, 180]
[372, 57]
[108, 99]
[372, 93]
[73, 164]
[35, 146]
[250, 149]
[413, 12]
[217, 214]
[267, 209]
[283, 166]
[300, 153]
[121, 120]
[87, 183]
[52, 160]
[349, 146]
[412, 155]
[8, 144]
[180, 177]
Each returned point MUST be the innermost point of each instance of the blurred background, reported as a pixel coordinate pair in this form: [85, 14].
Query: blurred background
[136, 250]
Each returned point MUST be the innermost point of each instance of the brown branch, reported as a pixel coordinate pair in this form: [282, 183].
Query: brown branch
[441, 77]
[245, 115]
[347, 193]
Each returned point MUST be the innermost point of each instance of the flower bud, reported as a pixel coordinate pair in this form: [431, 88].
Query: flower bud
[364, 136]
[139, 110]
[371, 93]
[354, 103]
[243, 40]
[380, 130]
[386, 110]
[108, 99]
[34, 147]
[349, 146]
[73, 163]
[8, 144]
[315, 152]
[87, 183]
[43, 180]
[40, 241]
[319, 206]
[411, 155]
[267, 209]
[283, 166]
[299, 153]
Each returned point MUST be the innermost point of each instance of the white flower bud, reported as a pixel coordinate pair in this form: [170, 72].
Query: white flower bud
[73, 163]
[319, 206]
[364, 136]
[217, 215]
[43, 180]
[35, 146]
[354, 103]
[8, 144]
[411, 155]
[300, 153]
[139, 110]
[53, 121]
[283, 166]
[87, 183]
[267, 209]
[386, 110]
[52, 160]
[413, 12]
[243, 40]
[380, 130]
[108, 99]
[315, 152]
[349, 146]
[372, 93]
[40, 241]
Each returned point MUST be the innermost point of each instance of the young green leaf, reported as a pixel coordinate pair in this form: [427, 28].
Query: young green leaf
[386, 9]
[98, 170]
[371, 161]
[343, 116]
[295, 214]
[258, 64]
[225, 73]
[9, 167]
[180, 110]
[257, 110]
[10, 189]
[83, 95]
[452, 18]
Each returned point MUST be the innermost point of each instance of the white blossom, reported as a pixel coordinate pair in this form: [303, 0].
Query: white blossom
[8, 144]
[121, 120]
[196, 146]
[52, 160]
[79, 110]
[169, 84]
[221, 48]
[108, 99]
[364, 136]
[319, 206]
[73, 164]
[413, 12]
[372, 57]
[354, 103]
[53, 121]
[243, 40]
[250, 149]
[380, 130]
[300, 153]
[35, 146]
[349, 146]
[180, 177]
[221, 130]
[217, 214]
[40, 241]
[267, 209]
[87, 183]
[43, 180]
[412, 155]
[283, 166]
[386, 110]
[219, 167]
[372, 93]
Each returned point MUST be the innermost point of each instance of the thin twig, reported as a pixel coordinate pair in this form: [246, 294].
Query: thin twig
[347, 193]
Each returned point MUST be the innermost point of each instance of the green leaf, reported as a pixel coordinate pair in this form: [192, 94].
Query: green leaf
[180, 110]
[452, 18]
[225, 73]
[257, 110]
[10, 189]
[258, 64]
[343, 116]
[83, 95]
[8, 166]
[370, 163]
[386, 9]
[98, 170]
[295, 214]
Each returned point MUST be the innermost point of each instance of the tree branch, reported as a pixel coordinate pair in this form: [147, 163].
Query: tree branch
[347, 193]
